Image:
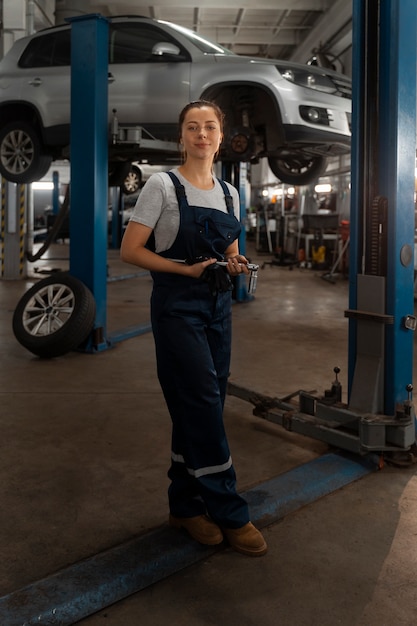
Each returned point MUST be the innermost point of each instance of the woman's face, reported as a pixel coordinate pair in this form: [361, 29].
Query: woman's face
[201, 133]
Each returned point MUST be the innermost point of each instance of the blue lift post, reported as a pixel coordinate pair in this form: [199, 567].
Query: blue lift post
[89, 163]
[379, 416]
[241, 286]
[55, 193]
[117, 203]
[382, 224]
[236, 174]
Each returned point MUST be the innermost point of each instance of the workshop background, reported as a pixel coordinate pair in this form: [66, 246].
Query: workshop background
[86, 435]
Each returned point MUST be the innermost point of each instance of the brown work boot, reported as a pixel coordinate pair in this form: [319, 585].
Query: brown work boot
[201, 528]
[247, 540]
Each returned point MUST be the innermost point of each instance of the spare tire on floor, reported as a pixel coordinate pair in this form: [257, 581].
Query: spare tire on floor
[54, 316]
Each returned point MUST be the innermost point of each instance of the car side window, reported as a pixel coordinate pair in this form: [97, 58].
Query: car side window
[128, 43]
[48, 50]
[133, 43]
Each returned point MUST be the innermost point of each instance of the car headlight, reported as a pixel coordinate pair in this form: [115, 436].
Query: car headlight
[305, 78]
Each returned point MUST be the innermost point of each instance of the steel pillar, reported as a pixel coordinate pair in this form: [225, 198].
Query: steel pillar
[382, 224]
[89, 163]
[55, 193]
[117, 204]
[236, 174]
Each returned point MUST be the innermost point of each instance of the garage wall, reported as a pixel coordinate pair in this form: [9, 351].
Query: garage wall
[23, 17]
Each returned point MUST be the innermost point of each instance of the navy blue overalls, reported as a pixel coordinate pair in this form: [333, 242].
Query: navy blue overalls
[192, 331]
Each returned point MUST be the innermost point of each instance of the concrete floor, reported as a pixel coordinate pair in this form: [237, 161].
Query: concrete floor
[85, 449]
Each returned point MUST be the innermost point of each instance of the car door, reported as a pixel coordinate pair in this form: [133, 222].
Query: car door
[149, 76]
[45, 71]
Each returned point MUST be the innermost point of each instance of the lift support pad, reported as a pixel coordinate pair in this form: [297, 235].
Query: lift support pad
[93, 584]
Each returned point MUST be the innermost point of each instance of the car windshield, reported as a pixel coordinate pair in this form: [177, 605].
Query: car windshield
[205, 45]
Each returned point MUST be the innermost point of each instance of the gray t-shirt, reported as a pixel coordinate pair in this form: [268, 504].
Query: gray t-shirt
[157, 205]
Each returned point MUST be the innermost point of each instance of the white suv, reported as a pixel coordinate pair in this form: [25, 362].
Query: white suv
[138, 173]
[295, 115]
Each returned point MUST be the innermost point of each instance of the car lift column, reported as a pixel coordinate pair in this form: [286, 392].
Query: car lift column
[89, 163]
[381, 298]
[236, 174]
[379, 417]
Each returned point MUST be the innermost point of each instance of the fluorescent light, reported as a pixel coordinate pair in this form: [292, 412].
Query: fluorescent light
[44, 186]
[324, 188]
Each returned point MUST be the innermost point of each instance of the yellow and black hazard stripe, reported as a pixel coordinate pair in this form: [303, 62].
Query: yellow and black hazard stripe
[22, 199]
[2, 224]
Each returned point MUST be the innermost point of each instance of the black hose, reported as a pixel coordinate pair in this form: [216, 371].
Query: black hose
[54, 230]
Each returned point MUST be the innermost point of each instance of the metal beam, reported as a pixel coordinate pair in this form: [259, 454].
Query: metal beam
[339, 13]
[250, 37]
[279, 5]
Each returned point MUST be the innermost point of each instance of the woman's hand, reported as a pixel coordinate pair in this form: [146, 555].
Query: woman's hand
[237, 265]
[195, 270]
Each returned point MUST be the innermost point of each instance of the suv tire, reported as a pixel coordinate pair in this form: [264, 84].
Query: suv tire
[54, 316]
[297, 169]
[21, 158]
[133, 181]
[118, 173]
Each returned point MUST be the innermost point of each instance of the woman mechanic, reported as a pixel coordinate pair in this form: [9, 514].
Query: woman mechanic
[193, 219]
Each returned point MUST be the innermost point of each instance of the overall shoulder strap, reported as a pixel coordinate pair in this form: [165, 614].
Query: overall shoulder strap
[179, 189]
[228, 198]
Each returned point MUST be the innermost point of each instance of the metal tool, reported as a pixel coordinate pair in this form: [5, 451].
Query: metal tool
[253, 274]
[252, 267]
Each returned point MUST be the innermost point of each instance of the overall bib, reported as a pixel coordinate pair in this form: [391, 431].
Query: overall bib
[192, 332]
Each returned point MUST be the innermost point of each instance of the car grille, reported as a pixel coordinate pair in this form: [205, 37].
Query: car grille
[349, 119]
[343, 85]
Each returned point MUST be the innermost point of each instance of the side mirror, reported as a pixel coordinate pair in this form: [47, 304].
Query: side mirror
[164, 47]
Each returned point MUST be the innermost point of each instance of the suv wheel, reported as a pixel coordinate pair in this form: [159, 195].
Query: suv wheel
[118, 172]
[297, 169]
[54, 316]
[21, 157]
[133, 181]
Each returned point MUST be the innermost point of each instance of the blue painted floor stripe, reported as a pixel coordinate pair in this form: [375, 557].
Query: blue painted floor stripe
[288, 492]
[94, 583]
[129, 333]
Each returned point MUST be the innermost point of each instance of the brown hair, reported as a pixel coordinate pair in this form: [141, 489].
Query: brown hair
[199, 104]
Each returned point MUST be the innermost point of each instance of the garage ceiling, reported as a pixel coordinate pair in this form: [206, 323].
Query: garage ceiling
[285, 29]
